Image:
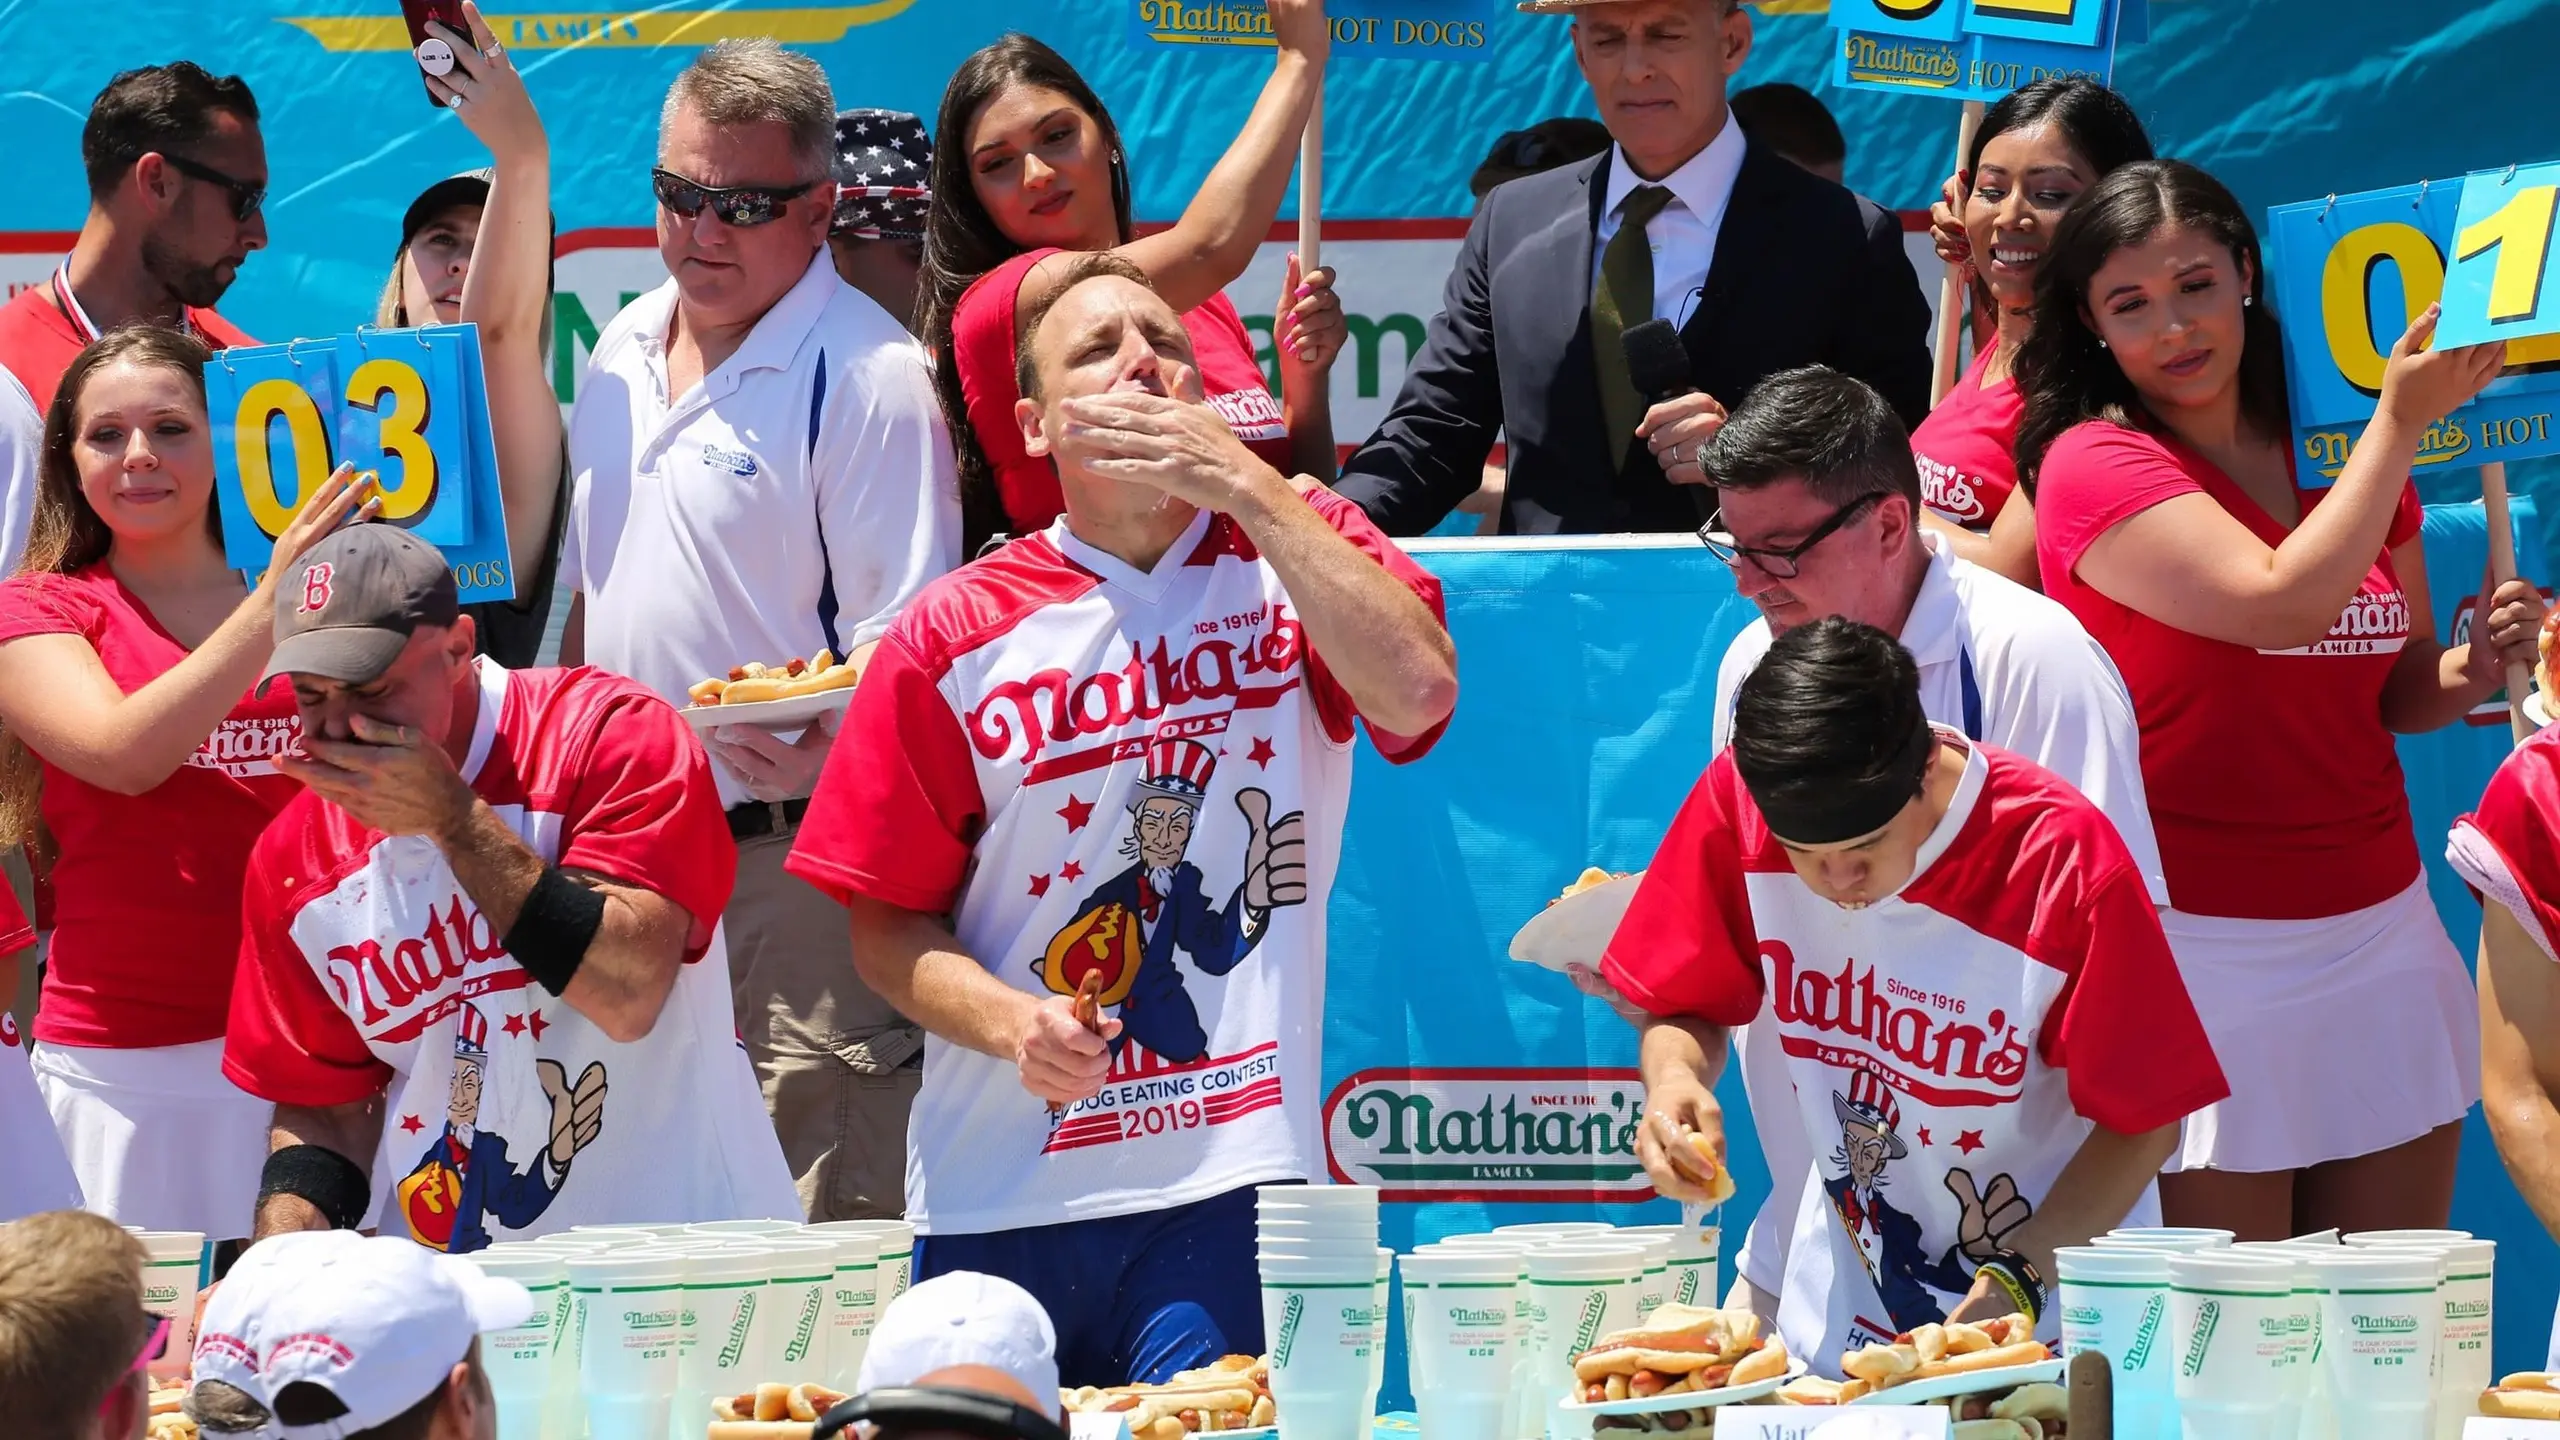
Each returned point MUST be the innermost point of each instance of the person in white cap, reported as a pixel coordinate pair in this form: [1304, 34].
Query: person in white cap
[964, 1319]
[329, 1335]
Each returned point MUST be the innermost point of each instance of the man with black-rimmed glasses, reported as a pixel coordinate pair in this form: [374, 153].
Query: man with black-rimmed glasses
[758, 472]
[1819, 505]
[177, 183]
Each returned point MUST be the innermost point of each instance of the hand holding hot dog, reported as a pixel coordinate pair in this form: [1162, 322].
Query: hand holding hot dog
[1062, 1062]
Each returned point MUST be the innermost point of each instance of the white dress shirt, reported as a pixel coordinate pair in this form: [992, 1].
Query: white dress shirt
[795, 500]
[1683, 235]
[21, 446]
[2044, 690]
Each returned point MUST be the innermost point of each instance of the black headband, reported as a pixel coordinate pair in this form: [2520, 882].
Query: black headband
[1830, 814]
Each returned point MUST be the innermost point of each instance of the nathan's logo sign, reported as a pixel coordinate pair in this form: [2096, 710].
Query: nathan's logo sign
[1024, 717]
[1946, 1055]
[1489, 1134]
[395, 990]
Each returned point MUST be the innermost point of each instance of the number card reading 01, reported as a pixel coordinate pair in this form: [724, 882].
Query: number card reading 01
[2350, 274]
[2505, 279]
[410, 405]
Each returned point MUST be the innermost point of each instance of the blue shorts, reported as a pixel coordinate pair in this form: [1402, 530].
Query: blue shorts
[1134, 1298]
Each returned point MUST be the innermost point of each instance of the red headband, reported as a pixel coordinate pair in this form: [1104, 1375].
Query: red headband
[982, 348]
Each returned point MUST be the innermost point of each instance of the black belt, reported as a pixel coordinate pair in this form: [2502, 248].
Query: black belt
[758, 818]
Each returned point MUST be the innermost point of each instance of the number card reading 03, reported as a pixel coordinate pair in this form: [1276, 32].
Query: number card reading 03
[2350, 274]
[409, 405]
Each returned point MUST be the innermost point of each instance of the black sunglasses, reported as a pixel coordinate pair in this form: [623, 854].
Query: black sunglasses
[1778, 562]
[740, 206]
[245, 197]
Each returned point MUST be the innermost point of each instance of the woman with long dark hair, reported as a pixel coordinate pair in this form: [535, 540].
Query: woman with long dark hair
[2038, 150]
[2274, 638]
[131, 726]
[1027, 163]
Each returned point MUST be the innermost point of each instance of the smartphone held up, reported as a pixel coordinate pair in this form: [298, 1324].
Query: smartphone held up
[435, 54]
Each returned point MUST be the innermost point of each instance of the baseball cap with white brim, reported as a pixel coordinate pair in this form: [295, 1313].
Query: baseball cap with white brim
[963, 1318]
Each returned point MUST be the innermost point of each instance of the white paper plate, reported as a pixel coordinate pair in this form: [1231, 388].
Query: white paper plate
[1974, 1382]
[1576, 929]
[2536, 711]
[1694, 1399]
[785, 714]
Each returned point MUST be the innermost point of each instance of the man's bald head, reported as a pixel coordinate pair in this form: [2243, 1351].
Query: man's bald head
[988, 1380]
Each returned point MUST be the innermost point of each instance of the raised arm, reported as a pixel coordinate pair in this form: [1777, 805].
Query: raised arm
[2187, 562]
[1391, 654]
[1430, 453]
[1231, 214]
[508, 290]
[56, 695]
[2008, 547]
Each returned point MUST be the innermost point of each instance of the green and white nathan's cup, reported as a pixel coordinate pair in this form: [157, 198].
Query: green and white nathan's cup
[1319, 1318]
[2116, 1302]
[563, 1416]
[2382, 1320]
[1692, 1279]
[744, 1229]
[2232, 1319]
[2166, 1237]
[2463, 1364]
[629, 1313]
[800, 1272]
[1587, 1291]
[724, 1308]
[897, 1251]
[173, 1272]
[2304, 1390]
[1520, 1412]
[1378, 1310]
[853, 1304]
[1461, 1339]
[518, 1362]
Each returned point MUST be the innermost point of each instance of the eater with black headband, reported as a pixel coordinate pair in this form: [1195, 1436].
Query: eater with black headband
[1961, 961]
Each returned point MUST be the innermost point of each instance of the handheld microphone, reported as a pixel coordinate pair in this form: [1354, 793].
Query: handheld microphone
[1659, 365]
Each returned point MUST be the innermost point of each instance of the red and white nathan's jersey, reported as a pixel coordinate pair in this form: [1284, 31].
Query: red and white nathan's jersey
[2508, 850]
[366, 967]
[1083, 764]
[1951, 1045]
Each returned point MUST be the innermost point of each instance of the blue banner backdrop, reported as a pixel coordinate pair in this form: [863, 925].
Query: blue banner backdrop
[1588, 678]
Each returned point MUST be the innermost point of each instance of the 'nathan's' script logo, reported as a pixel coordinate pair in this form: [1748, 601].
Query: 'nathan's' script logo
[1023, 717]
[380, 985]
[1485, 1134]
[1897, 1022]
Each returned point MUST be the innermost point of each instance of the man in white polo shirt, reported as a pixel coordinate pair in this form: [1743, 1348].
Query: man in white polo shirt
[760, 472]
[1820, 502]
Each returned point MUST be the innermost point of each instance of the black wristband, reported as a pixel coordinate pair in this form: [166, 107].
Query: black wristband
[558, 922]
[2018, 1276]
[332, 1183]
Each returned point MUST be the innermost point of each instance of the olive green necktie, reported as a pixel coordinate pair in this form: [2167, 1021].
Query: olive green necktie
[1625, 298]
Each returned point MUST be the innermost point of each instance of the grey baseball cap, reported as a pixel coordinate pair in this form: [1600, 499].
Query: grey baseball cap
[347, 608]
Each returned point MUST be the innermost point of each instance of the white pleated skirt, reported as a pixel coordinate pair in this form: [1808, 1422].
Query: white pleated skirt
[158, 1138]
[2341, 1036]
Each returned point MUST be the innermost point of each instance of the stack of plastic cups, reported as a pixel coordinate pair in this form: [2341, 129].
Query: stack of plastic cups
[724, 1309]
[519, 1362]
[1692, 1258]
[2116, 1301]
[800, 1276]
[2306, 1379]
[1587, 1291]
[564, 1412]
[1549, 1232]
[2232, 1318]
[897, 1253]
[1653, 1289]
[1379, 1308]
[1460, 1336]
[1318, 1253]
[630, 1307]
[173, 1272]
[853, 1304]
[1523, 1419]
[2383, 1320]
[2464, 1367]
[2165, 1237]
[2320, 1407]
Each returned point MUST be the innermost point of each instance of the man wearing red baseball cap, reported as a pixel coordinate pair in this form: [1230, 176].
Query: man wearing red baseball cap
[469, 977]
[1086, 809]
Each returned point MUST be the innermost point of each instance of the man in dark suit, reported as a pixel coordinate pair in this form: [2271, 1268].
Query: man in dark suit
[1762, 266]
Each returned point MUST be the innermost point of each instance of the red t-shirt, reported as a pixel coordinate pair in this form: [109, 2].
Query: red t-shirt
[1967, 449]
[2507, 849]
[15, 933]
[2274, 787]
[146, 889]
[982, 333]
[38, 342]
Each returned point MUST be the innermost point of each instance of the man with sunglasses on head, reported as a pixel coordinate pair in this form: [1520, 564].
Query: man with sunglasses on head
[75, 1342]
[177, 175]
[759, 471]
[1819, 506]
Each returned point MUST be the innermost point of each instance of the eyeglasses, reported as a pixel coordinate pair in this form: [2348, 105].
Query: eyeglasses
[741, 206]
[245, 197]
[154, 1345]
[1778, 562]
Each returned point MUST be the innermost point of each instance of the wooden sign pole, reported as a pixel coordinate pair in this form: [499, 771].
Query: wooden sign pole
[1951, 290]
[1311, 187]
[2502, 568]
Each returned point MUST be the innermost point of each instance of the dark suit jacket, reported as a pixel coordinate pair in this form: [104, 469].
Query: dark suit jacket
[1804, 273]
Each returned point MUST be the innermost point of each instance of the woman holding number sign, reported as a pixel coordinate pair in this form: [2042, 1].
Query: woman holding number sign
[2274, 639]
[2038, 151]
[475, 248]
[127, 723]
[1026, 163]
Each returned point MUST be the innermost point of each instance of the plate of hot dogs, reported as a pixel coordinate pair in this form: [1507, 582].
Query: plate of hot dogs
[777, 697]
[1686, 1357]
[1936, 1362]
